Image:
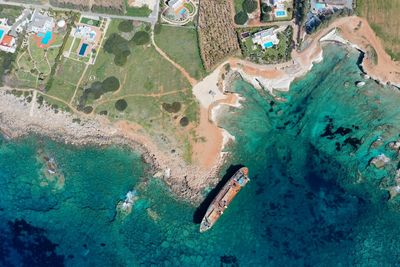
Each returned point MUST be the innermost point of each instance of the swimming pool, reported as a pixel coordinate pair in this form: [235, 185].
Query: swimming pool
[46, 37]
[83, 49]
[182, 11]
[1, 34]
[268, 44]
[280, 13]
[319, 6]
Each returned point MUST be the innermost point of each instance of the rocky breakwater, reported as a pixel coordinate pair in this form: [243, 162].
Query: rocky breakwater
[19, 118]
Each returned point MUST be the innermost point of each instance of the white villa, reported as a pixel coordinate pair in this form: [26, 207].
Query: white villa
[266, 38]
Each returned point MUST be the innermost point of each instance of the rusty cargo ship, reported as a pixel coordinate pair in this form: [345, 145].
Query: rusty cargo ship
[224, 197]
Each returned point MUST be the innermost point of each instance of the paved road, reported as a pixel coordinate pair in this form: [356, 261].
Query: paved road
[151, 19]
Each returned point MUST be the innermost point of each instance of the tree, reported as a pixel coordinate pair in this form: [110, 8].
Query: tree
[241, 18]
[141, 38]
[250, 6]
[110, 84]
[125, 26]
[265, 8]
[121, 105]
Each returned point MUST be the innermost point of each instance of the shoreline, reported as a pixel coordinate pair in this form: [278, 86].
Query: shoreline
[186, 180]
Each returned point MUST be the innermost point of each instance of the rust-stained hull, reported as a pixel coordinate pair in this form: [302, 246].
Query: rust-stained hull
[224, 197]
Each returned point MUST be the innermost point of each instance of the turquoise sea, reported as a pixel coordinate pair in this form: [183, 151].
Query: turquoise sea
[314, 198]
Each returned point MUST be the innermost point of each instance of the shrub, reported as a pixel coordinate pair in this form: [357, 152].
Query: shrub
[125, 26]
[97, 89]
[184, 122]
[250, 6]
[241, 18]
[172, 108]
[118, 46]
[121, 105]
[141, 38]
[110, 84]
[87, 109]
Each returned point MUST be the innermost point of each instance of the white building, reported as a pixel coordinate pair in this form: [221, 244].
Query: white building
[266, 38]
[40, 23]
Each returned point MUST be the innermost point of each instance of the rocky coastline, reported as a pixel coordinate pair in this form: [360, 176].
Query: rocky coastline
[186, 182]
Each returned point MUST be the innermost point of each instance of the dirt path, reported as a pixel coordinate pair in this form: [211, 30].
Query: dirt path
[191, 80]
[33, 103]
[79, 82]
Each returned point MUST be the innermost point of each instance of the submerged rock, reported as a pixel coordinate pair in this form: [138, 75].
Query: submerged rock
[360, 84]
[380, 161]
[395, 145]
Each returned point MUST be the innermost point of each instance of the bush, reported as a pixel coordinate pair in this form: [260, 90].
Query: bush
[141, 38]
[172, 108]
[125, 26]
[110, 84]
[121, 105]
[118, 46]
[184, 122]
[265, 8]
[250, 6]
[241, 18]
[97, 89]
[87, 109]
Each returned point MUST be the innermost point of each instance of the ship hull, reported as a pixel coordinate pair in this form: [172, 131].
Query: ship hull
[224, 198]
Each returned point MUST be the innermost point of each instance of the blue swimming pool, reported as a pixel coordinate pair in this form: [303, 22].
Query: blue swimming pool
[280, 13]
[1, 34]
[268, 45]
[183, 11]
[46, 37]
[83, 49]
[320, 6]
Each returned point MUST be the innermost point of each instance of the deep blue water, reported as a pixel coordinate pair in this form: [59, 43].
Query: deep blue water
[314, 198]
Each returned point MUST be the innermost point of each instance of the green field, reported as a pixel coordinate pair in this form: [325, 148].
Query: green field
[181, 45]
[66, 78]
[146, 81]
[383, 16]
[89, 21]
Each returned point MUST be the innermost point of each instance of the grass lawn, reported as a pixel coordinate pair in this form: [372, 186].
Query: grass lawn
[147, 81]
[67, 76]
[385, 21]
[181, 45]
[62, 89]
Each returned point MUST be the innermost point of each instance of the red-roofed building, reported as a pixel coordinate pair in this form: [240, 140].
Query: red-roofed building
[7, 40]
[8, 44]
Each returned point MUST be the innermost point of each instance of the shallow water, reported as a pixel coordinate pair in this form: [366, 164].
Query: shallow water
[314, 200]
